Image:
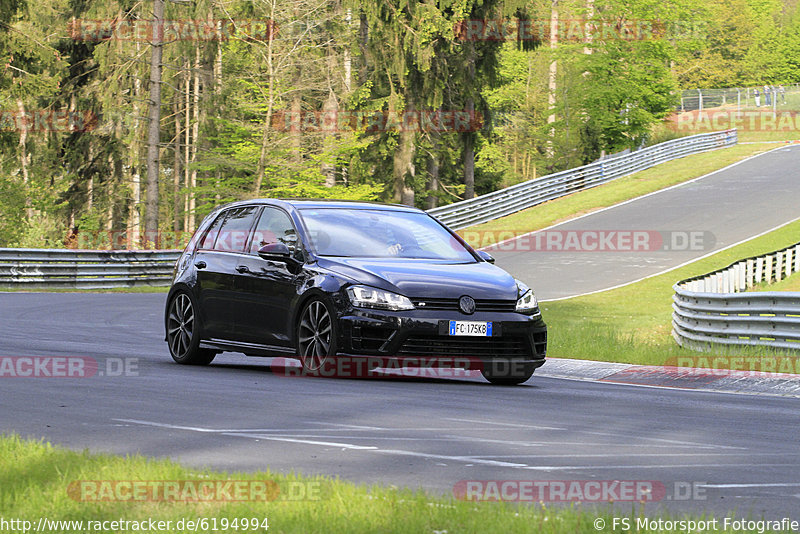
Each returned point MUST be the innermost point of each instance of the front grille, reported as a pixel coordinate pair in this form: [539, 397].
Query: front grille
[465, 347]
[484, 305]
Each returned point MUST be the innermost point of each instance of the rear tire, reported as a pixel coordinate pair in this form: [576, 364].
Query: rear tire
[184, 332]
[507, 373]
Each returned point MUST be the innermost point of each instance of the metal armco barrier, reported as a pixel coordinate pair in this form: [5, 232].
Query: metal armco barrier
[527, 194]
[709, 311]
[30, 268]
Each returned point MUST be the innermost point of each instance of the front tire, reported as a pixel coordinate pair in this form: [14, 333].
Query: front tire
[507, 373]
[316, 336]
[184, 332]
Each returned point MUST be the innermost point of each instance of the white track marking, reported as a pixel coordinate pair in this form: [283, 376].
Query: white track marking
[605, 455]
[351, 427]
[305, 441]
[764, 485]
[646, 466]
[465, 459]
[662, 440]
[535, 427]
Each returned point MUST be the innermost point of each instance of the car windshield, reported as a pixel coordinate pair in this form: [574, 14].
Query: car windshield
[375, 233]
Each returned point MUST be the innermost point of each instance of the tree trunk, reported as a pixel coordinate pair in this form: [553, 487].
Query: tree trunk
[176, 165]
[587, 49]
[433, 178]
[348, 62]
[553, 70]
[330, 109]
[265, 136]
[217, 72]
[469, 136]
[195, 140]
[90, 181]
[187, 152]
[134, 216]
[153, 132]
[363, 36]
[403, 164]
[469, 157]
[24, 158]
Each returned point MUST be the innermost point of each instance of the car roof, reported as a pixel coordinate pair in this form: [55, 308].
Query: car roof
[304, 203]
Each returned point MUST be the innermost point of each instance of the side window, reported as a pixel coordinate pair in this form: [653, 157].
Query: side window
[274, 226]
[213, 230]
[235, 230]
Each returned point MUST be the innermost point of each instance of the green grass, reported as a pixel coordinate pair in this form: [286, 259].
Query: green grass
[748, 136]
[35, 478]
[792, 283]
[614, 192]
[633, 323]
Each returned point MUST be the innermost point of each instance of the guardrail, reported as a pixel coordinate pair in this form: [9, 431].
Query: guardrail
[30, 268]
[709, 310]
[527, 194]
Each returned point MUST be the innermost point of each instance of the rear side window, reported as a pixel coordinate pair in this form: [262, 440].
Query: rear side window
[213, 230]
[235, 230]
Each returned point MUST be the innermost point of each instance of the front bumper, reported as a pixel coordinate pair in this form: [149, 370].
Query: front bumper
[415, 336]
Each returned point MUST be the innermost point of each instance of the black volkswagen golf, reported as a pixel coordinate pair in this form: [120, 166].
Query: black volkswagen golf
[323, 281]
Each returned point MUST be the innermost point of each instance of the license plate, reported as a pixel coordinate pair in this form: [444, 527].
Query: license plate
[470, 328]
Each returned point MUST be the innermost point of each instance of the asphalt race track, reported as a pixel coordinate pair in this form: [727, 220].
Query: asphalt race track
[737, 451]
[717, 211]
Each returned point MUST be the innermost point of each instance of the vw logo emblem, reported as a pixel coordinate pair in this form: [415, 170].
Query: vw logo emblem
[466, 304]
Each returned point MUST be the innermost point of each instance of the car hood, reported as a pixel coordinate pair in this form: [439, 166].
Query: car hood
[416, 278]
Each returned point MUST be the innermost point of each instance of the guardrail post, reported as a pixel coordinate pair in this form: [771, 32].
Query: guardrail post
[797, 258]
[768, 269]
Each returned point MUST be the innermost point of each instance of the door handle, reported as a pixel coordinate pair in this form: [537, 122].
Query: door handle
[200, 264]
[242, 269]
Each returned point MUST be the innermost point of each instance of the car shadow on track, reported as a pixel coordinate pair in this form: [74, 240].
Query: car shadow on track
[409, 375]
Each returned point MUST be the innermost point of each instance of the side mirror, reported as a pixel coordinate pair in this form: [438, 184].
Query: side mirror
[275, 252]
[485, 256]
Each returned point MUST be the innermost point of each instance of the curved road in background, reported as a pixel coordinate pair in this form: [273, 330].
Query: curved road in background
[717, 210]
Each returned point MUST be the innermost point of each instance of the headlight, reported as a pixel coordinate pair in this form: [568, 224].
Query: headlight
[526, 300]
[369, 297]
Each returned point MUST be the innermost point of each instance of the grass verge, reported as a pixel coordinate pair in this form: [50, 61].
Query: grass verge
[614, 192]
[791, 283]
[36, 479]
[632, 324]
